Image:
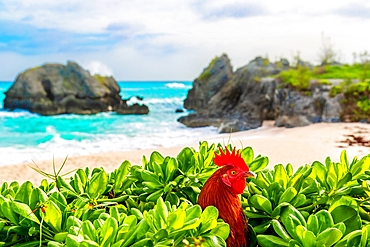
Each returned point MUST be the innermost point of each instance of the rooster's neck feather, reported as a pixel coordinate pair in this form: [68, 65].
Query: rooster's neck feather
[216, 193]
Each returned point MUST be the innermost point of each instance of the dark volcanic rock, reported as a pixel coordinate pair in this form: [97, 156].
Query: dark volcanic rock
[209, 83]
[301, 110]
[57, 89]
[249, 97]
[243, 102]
[132, 109]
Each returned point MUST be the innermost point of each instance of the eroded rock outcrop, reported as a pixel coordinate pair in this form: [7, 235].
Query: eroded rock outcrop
[242, 102]
[251, 95]
[212, 79]
[299, 109]
[54, 89]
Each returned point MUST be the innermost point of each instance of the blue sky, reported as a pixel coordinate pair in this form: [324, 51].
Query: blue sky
[174, 39]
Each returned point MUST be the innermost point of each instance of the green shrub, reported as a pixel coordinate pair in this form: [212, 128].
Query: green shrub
[298, 79]
[323, 204]
[356, 102]
[318, 205]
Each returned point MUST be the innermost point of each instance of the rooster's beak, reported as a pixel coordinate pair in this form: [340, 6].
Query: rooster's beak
[249, 175]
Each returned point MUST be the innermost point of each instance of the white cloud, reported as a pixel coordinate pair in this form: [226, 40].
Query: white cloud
[173, 40]
[97, 67]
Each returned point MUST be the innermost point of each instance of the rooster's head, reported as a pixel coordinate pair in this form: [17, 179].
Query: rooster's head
[234, 171]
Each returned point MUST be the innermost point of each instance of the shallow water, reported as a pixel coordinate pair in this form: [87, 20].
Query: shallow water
[25, 136]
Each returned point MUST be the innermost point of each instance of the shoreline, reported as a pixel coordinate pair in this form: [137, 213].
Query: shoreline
[298, 146]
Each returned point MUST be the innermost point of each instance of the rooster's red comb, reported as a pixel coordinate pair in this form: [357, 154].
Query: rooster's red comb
[232, 159]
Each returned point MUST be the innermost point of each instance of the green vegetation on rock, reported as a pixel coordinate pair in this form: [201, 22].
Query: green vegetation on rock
[323, 204]
[207, 72]
[298, 79]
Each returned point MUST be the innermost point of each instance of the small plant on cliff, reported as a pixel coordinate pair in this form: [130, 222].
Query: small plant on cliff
[356, 104]
[298, 79]
[207, 72]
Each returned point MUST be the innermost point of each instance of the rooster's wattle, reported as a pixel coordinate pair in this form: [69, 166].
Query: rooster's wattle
[222, 191]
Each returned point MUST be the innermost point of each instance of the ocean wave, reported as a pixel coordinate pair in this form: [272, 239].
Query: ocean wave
[164, 101]
[16, 114]
[59, 147]
[176, 85]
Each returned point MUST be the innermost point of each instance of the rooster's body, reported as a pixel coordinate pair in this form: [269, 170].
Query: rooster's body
[222, 190]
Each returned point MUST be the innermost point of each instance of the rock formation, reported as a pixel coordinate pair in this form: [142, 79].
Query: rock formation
[54, 89]
[244, 99]
[212, 79]
[299, 109]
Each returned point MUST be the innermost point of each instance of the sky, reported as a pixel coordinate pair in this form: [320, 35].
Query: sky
[175, 39]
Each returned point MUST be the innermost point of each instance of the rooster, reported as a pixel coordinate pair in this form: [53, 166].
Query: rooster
[222, 191]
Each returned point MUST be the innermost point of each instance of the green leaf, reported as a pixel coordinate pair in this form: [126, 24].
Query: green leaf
[299, 201]
[261, 228]
[248, 155]
[309, 239]
[269, 241]
[349, 216]
[53, 216]
[325, 220]
[62, 185]
[161, 209]
[88, 229]
[72, 240]
[262, 203]
[288, 195]
[170, 170]
[357, 169]
[149, 177]
[147, 242]
[281, 176]
[254, 215]
[321, 173]
[280, 230]
[313, 224]
[24, 192]
[8, 212]
[77, 184]
[140, 230]
[98, 184]
[59, 199]
[156, 157]
[209, 219]
[54, 244]
[365, 237]
[259, 164]
[73, 221]
[176, 220]
[137, 213]
[173, 198]
[192, 219]
[121, 174]
[341, 227]
[60, 237]
[222, 230]
[24, 210]
[108, 232]
[162, 234]
[214, 241]
[88, 243]
[329, 237]
[354, 238]
[289, 169]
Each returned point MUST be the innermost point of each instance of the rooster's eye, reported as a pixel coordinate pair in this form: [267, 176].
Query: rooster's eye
[233, 172]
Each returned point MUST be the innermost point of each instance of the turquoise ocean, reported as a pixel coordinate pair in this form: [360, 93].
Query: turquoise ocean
[26, 136]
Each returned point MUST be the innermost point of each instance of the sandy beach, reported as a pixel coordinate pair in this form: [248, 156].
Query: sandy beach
[298, 146]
